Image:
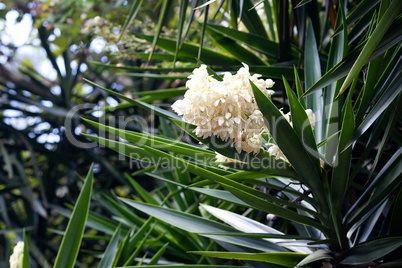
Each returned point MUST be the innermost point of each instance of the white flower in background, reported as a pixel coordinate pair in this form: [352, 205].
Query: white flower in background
[97, 20]
[223, 159]
[310, 114]
[275, 150]
[311, 117]
[17, 256]
[227, 108]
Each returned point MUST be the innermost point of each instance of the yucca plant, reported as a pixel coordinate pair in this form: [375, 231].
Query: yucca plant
[323, 192]
[335, 189]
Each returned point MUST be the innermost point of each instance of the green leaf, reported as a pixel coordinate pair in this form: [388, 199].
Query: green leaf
[157, 142]
[148, 96]
[135, 7]
[111, 250]
[396, 111]
[315, 256]
[256, 42]
[377, 130]
[301, 125]
[205, 4]
[196, 224]
[142, 239]
[288, 259]
[70, 244]
[287, 140]
[360, 27]
[248, 225]
[151, 155]
[220, 194]
[269, 13]
[162, 14]
[7, 160]
[274, 71]
[131, 151]
[312, 73]
[382, 186]
[379, 74]
[206, 11]
[359, 11]
[189, 50]
[242, 191]
[266, 235]
[141, 191]
[371, 251]
[393, 36]
[145, 106]
[396, 216]
[25, 257]
[270, 208]
[180, 24]
[233, 48]
[94, 221]
[340, 175]
[366, 227]
[155, 76]
[392, 12]
[385, 100]
[333, 106]
[211, 72]
[158, 255]
[184, 266]
[302, 3]
[250, 17]
[190, 18]
[299, 88]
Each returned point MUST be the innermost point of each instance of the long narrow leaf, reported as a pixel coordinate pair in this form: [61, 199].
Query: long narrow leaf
[71, 242]
[254, 41]
[162, 15]
[25, 256]
[196, 224]
[288, 259]
[392, 37]
[386, 21]
[135, 7]
[371, 251]
[290, 144]
[387, 97]
[111, 250]
[312, 73]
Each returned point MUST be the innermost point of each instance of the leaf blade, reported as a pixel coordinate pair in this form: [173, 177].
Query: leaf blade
[70, 244]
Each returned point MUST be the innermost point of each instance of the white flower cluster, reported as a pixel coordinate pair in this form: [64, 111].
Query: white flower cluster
[17, 256]
[226, 109]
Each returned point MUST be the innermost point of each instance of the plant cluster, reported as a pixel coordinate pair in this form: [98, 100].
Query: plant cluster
[283, 152]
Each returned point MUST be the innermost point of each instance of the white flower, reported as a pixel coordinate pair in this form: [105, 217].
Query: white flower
[17, 256]
[310, 114]
[97, 20]
[311, 118]
[226, 109]
[274, 150]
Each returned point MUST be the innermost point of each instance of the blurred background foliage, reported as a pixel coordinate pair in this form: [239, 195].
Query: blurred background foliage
[46, 48]
[137, 48]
